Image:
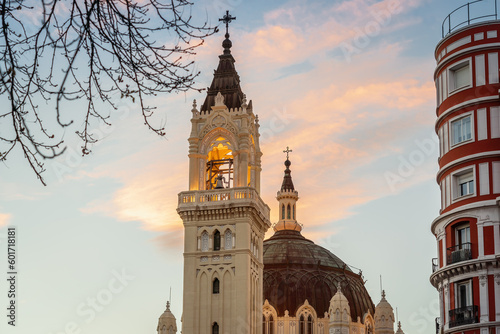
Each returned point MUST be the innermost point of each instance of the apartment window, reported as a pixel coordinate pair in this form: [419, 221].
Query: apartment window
[460, 76]
[464, 294]
[461, 130]
[216, 240]
[465, 184]
[465, 312]
[462, 250]
[462, 235]
[288, 214]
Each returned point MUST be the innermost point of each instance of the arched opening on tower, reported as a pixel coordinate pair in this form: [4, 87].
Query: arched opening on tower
[215, 286]
[216, 240]
[220, 168]
[215, 328]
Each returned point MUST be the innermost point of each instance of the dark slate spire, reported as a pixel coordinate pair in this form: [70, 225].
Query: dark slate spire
[226, 80]
[287, 178]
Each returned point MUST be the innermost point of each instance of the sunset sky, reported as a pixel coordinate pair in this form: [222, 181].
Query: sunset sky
[347, 85]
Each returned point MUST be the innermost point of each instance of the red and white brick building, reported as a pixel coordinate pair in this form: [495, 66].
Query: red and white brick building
[466, 272]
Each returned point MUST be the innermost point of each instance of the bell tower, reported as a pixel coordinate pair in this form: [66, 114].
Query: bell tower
[223, 215]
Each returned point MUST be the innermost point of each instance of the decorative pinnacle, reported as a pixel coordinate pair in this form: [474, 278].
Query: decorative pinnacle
[227, 19]
[168, 305]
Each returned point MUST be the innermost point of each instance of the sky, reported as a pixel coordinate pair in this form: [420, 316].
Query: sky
[347, 85]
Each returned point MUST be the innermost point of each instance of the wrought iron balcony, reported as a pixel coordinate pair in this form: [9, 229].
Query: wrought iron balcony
[458, 253]
[435, 264]
[472, 12]
[464, 316]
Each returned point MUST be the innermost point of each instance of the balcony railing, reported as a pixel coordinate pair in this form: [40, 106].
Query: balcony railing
[464, 316]
[435, 264]
[472, 12]
[458, 253]
[235, 195]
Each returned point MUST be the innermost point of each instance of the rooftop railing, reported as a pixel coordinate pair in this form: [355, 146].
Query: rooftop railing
[472, 12]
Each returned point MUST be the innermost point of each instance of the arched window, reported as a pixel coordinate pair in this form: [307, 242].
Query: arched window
[216, 240]
[228, 237]
[264, 324]
[204, 241]
[288, 211]
[282, 211]
[309, 324]
[271, 325]
[215, 328]
[302, 327]
[171, 330]
[163, 330]
[215, 286]
[294, 211]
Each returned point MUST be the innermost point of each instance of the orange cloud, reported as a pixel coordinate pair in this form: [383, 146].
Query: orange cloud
[4, 219]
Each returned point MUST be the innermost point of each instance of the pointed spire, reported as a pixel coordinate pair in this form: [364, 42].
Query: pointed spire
[287, 178]
[226, 80]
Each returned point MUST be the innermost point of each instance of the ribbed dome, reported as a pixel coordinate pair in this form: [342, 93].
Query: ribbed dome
[296, 269]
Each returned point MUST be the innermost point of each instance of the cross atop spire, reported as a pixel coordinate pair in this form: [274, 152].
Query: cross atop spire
[287, 151]
[227, 18]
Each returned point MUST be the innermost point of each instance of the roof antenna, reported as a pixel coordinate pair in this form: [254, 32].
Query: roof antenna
[381, 290]
[170, 297]
[397, 315]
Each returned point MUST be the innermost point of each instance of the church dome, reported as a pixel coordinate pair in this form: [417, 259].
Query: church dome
[296, 269]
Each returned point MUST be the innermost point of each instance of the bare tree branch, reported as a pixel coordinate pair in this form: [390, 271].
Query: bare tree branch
[87, 50]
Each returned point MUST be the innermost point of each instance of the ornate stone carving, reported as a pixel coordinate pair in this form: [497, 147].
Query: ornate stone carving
[483, 279]
[219, 121]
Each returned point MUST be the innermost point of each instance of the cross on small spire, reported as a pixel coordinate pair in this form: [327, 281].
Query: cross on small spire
[227, 19]
[287, 151]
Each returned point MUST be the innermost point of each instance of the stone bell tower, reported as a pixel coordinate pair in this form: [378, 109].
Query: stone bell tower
[223, 215]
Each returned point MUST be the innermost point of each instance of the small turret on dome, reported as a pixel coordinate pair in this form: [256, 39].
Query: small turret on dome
[384, 317]
[339, 312]
[287, 198]
[167, 322]
[399, 331]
